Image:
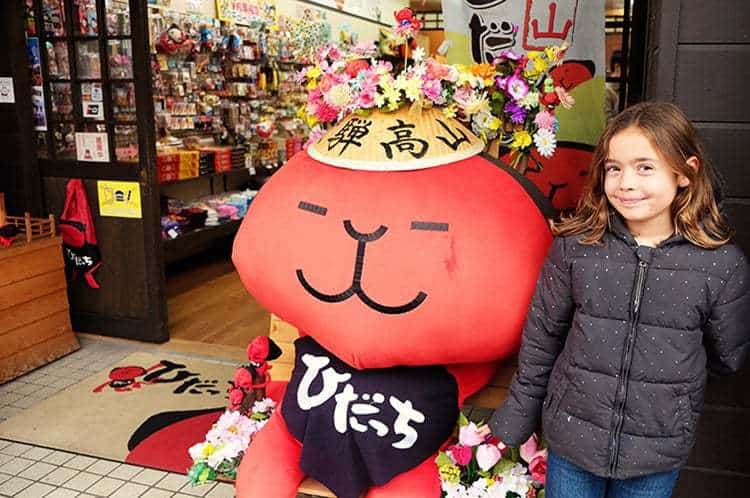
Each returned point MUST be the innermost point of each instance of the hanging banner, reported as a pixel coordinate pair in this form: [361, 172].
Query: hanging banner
[119, 199]
[479, 30]
[246, 12]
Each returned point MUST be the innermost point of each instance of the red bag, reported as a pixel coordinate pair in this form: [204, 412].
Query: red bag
[80, 249]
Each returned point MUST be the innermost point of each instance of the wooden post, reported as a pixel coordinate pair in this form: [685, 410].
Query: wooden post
[3, 219]
[52, 225]
[27, 225]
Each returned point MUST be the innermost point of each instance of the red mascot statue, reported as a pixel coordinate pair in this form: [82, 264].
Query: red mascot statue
[407, 259]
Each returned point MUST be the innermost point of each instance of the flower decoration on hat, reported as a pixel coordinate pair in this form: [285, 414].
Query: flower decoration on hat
[512, 100]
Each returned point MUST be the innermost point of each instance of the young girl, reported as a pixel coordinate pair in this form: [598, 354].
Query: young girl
[641, 292]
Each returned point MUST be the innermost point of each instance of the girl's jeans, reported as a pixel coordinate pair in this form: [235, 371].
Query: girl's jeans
[566, 480]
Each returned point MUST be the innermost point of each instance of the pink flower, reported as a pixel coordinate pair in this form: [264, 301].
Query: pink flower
[530, 449]
[315, 135]
[460, 454]
[545, 120]
[432, 89]
[243, 379]
[235, 397]
[354, 67]
[469, 435]
[487, 456]
[463, 96]
[566, 99]
[366, 100]
[326, 113]
[538, 469]
[437, 71]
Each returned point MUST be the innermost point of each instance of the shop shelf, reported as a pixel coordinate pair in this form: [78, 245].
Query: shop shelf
[197, 241]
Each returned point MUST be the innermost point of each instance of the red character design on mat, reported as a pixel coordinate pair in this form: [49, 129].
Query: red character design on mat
[407, 287]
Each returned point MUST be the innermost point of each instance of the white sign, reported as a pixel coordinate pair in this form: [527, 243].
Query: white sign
[6, 91]
[92, 147]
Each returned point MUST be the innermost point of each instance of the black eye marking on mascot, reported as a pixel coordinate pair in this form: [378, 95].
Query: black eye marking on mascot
[488, 40]
[356, 287]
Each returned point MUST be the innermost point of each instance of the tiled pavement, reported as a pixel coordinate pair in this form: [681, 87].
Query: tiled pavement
[28, 471]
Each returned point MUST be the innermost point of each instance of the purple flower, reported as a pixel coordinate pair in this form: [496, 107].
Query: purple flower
[517, 113]
[507, 55]
[501, 82]
[517, 87]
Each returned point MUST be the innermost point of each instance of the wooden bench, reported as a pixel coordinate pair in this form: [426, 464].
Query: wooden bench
[478, 407]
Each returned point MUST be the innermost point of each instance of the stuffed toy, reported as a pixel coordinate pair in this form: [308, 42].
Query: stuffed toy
[407, 260]
[173, 40]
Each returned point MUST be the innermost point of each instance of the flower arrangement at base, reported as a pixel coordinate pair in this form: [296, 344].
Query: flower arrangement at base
[220, 454]
[483, 467]
[512, 100]
[249, 409]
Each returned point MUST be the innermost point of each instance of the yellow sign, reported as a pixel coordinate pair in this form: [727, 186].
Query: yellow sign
[119, 199]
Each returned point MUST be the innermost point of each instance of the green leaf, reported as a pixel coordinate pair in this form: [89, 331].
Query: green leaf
[540, 494]
[515, 454]
[462, 420]
[443, 459]
[484, 473]
[502, 466]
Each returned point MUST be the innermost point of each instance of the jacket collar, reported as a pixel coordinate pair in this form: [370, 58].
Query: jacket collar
[618, 227]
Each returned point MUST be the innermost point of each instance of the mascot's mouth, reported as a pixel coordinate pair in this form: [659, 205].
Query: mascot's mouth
[356, 287]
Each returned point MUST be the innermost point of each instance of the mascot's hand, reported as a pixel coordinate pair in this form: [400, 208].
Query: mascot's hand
[270, 467]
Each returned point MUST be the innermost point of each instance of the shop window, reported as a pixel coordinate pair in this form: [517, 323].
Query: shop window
[88, 60]
[120, 59]
[85, 20]
[118, 17]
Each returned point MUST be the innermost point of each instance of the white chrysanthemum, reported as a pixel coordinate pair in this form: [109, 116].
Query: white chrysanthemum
[264, 406]
[530, 100]
[418, 54]
[339, 95]
[545, 142]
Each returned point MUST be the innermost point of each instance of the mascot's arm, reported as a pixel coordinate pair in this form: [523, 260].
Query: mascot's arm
[471, 377]
[270, 467]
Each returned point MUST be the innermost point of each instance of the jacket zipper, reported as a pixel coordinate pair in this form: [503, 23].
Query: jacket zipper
[622, 384]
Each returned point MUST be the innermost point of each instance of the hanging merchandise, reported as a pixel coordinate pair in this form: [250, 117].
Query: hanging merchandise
[173, 40]
[80, 249]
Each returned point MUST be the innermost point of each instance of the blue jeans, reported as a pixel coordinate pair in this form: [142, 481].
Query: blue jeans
[566, 480]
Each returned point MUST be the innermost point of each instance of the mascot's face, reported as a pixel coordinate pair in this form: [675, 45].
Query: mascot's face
[395, 268]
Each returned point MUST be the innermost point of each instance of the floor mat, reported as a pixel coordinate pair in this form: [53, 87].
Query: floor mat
[147, 409]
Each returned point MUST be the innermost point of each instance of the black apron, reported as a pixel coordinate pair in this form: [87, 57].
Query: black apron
[360, 428]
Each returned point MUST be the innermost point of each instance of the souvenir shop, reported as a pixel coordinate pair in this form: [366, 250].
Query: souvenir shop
[173, 113]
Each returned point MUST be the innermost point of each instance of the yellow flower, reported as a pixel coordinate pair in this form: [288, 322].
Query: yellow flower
[391, 94]
[521, 140]
[312, 84]
[208, 450]
[450, 111]
[552, 53]
[494, 124]
[413, 88]
[313, 73]
[450, 473]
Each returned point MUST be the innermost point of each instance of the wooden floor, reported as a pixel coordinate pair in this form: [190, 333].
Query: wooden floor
[208, 304]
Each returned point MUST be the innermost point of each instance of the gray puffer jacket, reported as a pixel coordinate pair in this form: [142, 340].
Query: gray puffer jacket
[616, 346]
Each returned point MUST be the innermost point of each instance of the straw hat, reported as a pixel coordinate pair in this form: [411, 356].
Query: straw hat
[396, 141]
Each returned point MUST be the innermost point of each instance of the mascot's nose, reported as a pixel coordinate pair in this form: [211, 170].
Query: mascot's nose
[364, 237]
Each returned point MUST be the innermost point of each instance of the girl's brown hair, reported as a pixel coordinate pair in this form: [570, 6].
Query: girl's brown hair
[695, 209]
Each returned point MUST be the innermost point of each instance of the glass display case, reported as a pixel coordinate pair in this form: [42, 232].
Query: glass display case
[81, 61]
